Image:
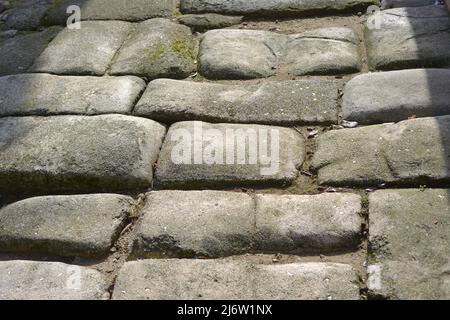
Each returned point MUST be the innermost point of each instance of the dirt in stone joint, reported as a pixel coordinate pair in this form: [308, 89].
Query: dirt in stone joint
[305, 184]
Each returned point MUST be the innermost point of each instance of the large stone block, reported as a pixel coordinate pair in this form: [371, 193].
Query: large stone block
[275, 102]
[77, 153]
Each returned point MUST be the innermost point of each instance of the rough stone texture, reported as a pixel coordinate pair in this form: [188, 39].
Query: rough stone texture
[129, 10]
[248, 54]
[158, 48]
[410, 244]
[412, 153]
[18, 53]
[195, 223]
[203, 22]
[275, 102]
[272, 7]
[324, 51]
[199, 154]
[27, 15]
[322, 222]
[409, 38]
[223, 280]
[217, 223]
[388, 4]
[82, 225]
[30, 280]
[77, 153]
[44, 94]
[397, 95]
[85, 51]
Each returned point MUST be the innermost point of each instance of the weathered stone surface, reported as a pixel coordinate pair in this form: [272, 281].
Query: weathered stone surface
[27, 15]
[217, 223]
[85, 51]
[70, 153]
[247, 54]
[389, 4]
[30, 280]
[275, 102]
[130, 10]
[158, 48]
[272, 7]
[196, 223]
[410, 244]
[405, 38]
[44, 94]
[223, 280]
[324, 51]
[412, 152]
[397, 95]
[81, 225]
[19, 52]
[199, 154]
[240, 54]
[294, 222]
[208, 21]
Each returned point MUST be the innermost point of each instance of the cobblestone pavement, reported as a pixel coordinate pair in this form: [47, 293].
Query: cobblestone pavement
[212, 149]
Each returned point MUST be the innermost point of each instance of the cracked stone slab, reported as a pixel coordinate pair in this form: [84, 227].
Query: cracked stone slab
[32, 280]
[276, 102]
[411, 153]
[45, 94]
[177, 279]
[249, 54]
[85, 51]
[158, 48]
[273, 7]
[217, 223]
[405, 38]
[77, 153]
[409, 242]
[195, 223]
[387, 96]
[79, 225]
[130, 10]
[208, 21]
[18, 53]
[199, 154]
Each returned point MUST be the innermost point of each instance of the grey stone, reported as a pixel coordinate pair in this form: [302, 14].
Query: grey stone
[232, 280]
[198, 154]
[294, 222]
[85, 51]
[208, 21]
[81, 225]
[77, 153]
[406, 38]
[158, 48]
[389, 4]
[44, 94]
[195, 223]
[248, 54]
[130, 10]
[409, 242]
[397, 95]
[273, 7]
[32, 280]
[412, 153]
[27, 15]
[277, 102]
[240, 54]
[325, 51]
[19, 52]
